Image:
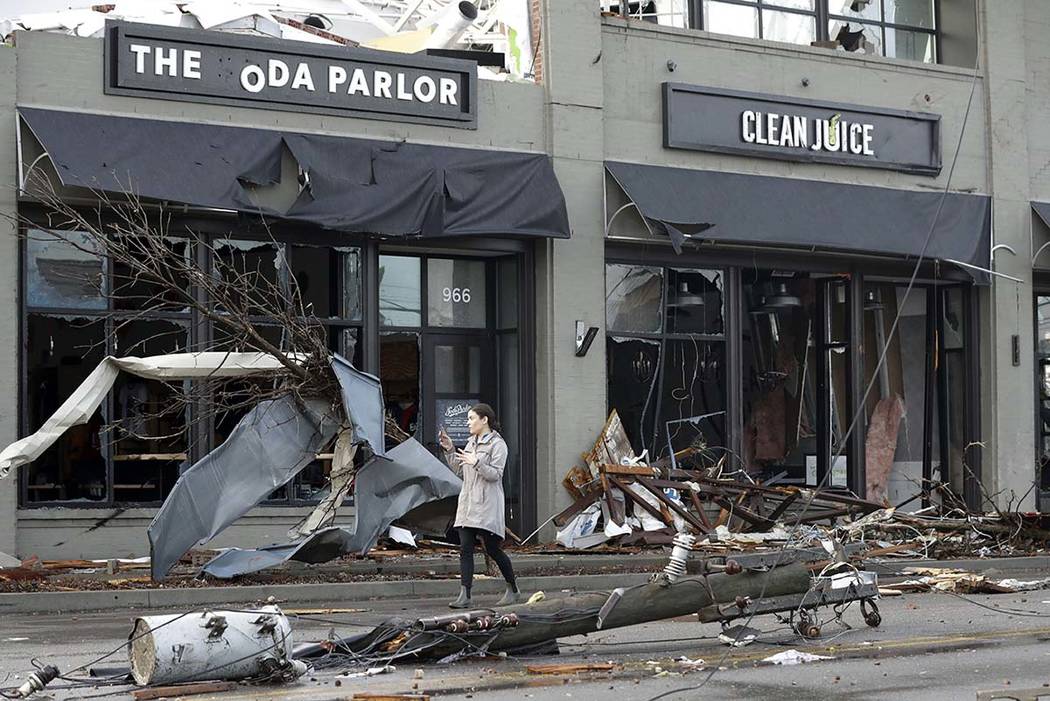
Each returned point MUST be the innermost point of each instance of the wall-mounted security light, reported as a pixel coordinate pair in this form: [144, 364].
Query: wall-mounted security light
[584, 337]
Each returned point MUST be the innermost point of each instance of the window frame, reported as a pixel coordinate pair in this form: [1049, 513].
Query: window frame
[662, 336]
[824, 16]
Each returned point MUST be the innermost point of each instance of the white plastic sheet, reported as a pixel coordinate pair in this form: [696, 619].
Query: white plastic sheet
[80, 406]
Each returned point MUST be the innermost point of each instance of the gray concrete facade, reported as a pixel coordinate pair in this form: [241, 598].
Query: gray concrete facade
[601, 100]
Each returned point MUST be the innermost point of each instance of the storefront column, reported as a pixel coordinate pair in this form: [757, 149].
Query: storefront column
[1007, 425]
[9, 338]
[570, 280]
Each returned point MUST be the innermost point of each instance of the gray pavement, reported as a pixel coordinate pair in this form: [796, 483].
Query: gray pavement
[930, 646]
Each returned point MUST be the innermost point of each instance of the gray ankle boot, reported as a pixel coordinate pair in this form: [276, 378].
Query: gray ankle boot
[463, 600]
[511, 596]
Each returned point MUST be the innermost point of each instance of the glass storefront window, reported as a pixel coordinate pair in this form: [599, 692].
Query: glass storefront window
[62, 272]
[634, 298]
[400, 295]
[695, 301]
[456, 293]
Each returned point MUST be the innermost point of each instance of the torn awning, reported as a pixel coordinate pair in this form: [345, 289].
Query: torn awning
[355, 185]
[755, 209]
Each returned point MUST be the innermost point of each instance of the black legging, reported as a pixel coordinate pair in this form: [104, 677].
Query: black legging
[467, 540]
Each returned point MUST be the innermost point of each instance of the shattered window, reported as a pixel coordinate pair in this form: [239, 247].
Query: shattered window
[633, 298]
[61, 353]
[64, 271]
[133, 292]
[148, 430]
[251, 271]
[667, 379]
[695, 301]
[894, 28]
[399, 373]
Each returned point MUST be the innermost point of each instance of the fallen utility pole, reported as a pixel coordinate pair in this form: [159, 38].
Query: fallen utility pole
[722, 591]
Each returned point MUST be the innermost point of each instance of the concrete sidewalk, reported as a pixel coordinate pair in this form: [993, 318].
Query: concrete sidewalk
[582, 572]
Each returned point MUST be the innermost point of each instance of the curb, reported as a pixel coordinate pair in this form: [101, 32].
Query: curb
[83, 601]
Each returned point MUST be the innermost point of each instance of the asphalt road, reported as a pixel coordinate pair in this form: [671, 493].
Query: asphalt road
[930, 646]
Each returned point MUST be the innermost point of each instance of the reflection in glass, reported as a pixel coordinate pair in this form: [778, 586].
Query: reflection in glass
[457, 369]
[913, 46]
[633, 298]
[507, 312]
[456, 292]
[63, 273]
[351, 298]
[870, 10]
[789, 27]
[727, 18]
[399, 291]
[911, 13]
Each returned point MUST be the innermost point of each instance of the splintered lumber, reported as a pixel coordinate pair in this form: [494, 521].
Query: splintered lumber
[370, 696]
[658, 493]
[571, 668]
[638, 501]
[641, 470]
[577, 507]
[163, 692]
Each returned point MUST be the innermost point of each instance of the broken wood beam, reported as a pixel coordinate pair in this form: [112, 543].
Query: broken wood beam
[577, 507]
[689, 518]
[642, 471]
[570, 668]
[638, 501]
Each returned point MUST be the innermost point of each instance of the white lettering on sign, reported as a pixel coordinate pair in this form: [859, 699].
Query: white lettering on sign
[277, 73]
[456, 295]
[798, 131]
[457, 409]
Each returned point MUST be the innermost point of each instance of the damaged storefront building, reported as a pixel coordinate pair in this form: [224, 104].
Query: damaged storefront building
[804, 252]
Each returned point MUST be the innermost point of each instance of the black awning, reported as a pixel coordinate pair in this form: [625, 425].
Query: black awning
[360, 185]
[754, 209]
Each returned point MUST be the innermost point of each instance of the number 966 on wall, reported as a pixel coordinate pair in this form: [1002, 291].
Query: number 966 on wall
[456, 295]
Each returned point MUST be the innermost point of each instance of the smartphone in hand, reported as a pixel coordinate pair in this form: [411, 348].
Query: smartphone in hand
[444, 440]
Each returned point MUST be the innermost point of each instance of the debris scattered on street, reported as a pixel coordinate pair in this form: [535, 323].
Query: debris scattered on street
[793, 657]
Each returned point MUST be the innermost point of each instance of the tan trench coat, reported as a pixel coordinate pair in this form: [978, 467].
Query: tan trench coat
[481, 501]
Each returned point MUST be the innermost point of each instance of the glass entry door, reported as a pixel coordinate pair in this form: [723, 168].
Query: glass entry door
[459, 371]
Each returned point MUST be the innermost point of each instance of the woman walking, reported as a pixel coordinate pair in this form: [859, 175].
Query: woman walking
[479, 514]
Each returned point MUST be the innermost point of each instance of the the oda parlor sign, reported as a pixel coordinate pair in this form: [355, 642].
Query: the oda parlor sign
[233, 69]
[728, 121]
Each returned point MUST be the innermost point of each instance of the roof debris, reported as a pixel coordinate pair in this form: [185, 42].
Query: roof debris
[501, 27]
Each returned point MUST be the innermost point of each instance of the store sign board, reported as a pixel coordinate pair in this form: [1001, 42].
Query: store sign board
[752, 124]
[249, 71]
[452, 417]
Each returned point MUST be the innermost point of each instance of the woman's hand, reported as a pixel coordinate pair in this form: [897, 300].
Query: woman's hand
[466, 458]
[445, 441]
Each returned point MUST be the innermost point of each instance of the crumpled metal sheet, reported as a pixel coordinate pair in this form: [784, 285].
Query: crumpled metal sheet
[270, 445]
[80, 405]
[324, 545]
[363, 401]
[384, 491]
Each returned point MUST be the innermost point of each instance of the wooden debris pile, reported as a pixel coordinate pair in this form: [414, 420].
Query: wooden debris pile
[623, 499]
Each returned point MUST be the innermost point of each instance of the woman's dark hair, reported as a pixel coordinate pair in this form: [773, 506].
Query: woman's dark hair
[485, 411]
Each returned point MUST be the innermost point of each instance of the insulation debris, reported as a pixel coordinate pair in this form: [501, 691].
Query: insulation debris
[793, 657]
